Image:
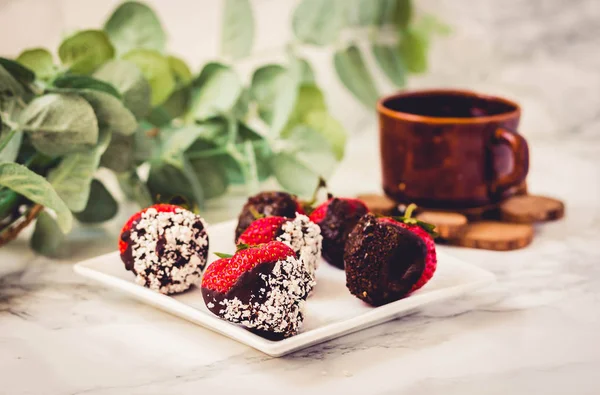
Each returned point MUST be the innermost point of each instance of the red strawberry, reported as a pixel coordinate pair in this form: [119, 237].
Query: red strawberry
[262, 288]
[337, 217]
[267, 204]
[302, 235]
[262, 230]
[424, 231]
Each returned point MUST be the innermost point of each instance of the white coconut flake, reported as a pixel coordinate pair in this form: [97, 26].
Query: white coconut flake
[304, 237]
[158, 266]
[279, 307]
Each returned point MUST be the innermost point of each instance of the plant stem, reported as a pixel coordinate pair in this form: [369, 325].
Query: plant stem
[11, 233]
[5, 142]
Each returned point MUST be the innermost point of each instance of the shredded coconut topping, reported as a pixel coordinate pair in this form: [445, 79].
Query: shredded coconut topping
[279, 305]
[169, 249]
[304, 237]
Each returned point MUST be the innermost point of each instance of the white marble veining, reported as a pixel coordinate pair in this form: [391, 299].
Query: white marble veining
[534, 332]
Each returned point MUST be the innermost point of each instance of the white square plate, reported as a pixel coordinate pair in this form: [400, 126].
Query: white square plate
[331, 311]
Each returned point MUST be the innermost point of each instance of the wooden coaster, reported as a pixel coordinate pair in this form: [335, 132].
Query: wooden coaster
[498, 236]
[379, 204]
[448, 225]
[530, 208]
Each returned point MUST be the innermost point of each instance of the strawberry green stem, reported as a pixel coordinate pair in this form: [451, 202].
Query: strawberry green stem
[321, 184]
[409, 210]
[254, 212]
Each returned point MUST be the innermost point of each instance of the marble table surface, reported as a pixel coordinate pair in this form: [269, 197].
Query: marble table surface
[534, 331]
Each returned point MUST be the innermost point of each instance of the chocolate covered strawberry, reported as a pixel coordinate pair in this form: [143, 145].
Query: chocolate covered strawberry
[383, 261]
[262, 288]
[299, 233]
[337, 217]
[425, 232]
[166, 247]
[267, 204]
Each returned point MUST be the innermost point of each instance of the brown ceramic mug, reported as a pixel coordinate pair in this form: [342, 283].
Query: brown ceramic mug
[451, 149]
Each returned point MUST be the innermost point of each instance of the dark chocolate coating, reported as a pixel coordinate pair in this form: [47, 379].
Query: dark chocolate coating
[250, 288]
[382, 261]
[335, 227]
[268, 203]
[247, 288]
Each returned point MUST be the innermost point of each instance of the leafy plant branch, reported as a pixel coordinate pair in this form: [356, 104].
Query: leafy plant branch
[115, 98]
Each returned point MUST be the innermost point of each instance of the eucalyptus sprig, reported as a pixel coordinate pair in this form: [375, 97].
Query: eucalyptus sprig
[116, 98]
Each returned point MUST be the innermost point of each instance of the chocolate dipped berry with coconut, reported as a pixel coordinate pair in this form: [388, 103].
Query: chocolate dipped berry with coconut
[166, 247]
[262, 288]
[267, 204]
[299, 233]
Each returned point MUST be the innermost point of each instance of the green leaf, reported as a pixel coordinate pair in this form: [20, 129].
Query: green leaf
[431, 25]
[413, 49]
[85, 51]
[47, 236]
[128, 79]
[40, 61]
[301, 159]
[262, 153]
[166, 182]
[207, 72]
[180, 71]
[179, 141]
[78, 82]
[310, 99]
[145, 143]
[11, 91]
[9, 204]
[275, 90]
[112, 115]
[159, 117]
[212, 171]
[242, 105]
[72, 177]
[212, 175]
[156, 69]
[101, 206]
[119, 156]
[35, 188]
[212, 144]
[10, 152]
[389, 60]
[364, 12]
[17, 70]
[134, 25]
[180, 100]
[59, 124]
[330, 129]
[318, 22]
[403, 13]
[217, 92]
[395, 12]
[134, 188]
[237, 31]
[355, 76]
[303, 70]
[174, 107]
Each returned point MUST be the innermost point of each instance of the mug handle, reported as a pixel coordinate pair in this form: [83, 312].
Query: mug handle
[520, 152]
